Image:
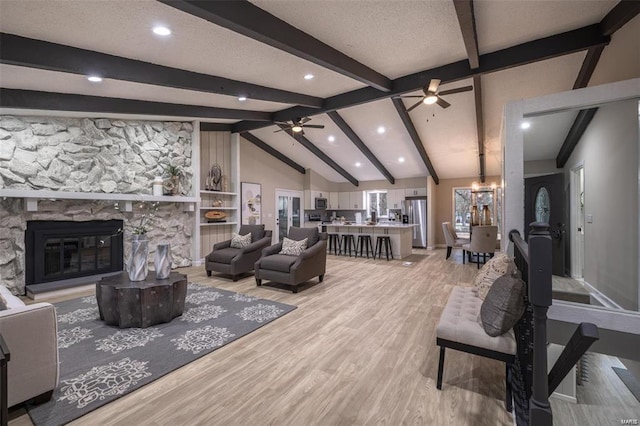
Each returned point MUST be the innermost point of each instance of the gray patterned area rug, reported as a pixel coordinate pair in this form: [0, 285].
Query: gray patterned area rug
[100, 363]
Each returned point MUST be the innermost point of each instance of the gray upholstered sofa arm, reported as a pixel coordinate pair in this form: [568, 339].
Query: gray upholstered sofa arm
[31, 333]
[319, 247]
[222, 245]
[274, 249]
[257, 245]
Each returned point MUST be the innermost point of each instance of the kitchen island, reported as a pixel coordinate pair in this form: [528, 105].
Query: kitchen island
[401, 234]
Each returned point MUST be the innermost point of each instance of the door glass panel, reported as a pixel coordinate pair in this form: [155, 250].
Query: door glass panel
[542, 208]
[295, 211]
[88, 253]
[283, 216]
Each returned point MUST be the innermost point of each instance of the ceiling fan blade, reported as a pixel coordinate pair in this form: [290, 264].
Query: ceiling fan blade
[415, 105]
[281, 130]
[458, 90]
[443, 103]
[409, 96]
[314, 126]
[305, 120]
[433, 85]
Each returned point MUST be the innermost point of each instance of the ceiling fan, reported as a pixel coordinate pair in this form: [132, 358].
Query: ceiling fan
[432, 96]
[298, 125]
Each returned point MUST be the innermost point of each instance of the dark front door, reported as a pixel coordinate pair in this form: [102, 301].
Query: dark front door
[544, 200]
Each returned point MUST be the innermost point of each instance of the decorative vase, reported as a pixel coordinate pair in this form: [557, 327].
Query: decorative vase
[475, 219]
[486, 215]
[175, 185]
[162, 261]
[137, 267]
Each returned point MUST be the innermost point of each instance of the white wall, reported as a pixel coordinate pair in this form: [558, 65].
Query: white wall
[259, 167]
[609, 150]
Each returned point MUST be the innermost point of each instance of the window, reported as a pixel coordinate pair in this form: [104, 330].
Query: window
[465, 198]
[377, 202]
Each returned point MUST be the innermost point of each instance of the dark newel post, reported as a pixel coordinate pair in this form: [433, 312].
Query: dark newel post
[540, 298]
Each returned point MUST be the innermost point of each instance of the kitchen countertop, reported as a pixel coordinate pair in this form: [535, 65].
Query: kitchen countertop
[379, 225]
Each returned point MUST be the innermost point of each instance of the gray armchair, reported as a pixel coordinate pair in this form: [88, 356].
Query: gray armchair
[294, 270]
[235, 261]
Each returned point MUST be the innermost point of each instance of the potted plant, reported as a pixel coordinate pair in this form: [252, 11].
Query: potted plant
[173, 186]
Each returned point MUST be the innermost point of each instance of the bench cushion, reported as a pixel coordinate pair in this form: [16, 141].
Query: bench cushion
[459, 323]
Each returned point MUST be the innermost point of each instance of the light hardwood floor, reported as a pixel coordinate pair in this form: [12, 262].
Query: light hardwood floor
[360, 349]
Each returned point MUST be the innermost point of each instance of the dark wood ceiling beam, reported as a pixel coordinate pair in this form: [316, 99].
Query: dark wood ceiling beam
[467, 21]
[411, 129]
[215, 127]
[318, 153]
[588, 66]
[617, 17]
[522, 54]
[31, 99]
[273, 152]
[573, 137]
[477, 93]
[251, 21]
[621, 13]
[348, 131]
[27, 52]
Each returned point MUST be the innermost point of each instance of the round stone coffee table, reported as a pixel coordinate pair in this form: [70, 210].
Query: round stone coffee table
[140, 303]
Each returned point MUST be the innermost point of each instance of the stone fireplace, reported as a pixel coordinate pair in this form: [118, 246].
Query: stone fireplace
[108, 166]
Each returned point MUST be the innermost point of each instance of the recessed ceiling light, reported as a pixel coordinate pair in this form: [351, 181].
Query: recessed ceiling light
[358, 164]
[242, 98]
[381, 130]
[331, 138]
[401, 159]
[309, 76]
[161, 31]
[94, 79]
[525, 125]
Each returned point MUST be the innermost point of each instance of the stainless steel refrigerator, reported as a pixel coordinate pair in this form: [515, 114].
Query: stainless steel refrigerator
[416, 209]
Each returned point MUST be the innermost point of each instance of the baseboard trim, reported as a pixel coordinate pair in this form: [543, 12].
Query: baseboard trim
[564, 397]
[601, 297]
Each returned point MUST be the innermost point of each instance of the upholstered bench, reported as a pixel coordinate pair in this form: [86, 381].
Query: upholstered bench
[459, 329]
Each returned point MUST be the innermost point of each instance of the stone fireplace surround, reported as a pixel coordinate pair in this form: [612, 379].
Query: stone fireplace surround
[92, 156]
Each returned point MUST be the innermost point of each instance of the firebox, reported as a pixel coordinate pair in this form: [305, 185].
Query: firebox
[60, 250]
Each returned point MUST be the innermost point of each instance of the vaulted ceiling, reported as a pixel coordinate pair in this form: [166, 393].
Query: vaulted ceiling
[361, 54]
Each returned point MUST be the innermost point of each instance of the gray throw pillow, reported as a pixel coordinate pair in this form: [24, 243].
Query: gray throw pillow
[292, 247]
[240, 241]
[503, 306]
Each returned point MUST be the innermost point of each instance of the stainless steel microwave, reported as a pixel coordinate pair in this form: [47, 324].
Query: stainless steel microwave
[321, 203]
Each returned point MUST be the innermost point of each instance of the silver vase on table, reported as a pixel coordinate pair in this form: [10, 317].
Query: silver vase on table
[162, 261]
[137, 267]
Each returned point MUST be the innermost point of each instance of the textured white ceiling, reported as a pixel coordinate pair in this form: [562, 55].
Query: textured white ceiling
[395, 38]
[502, 24]
[542, 141]
[124, 29]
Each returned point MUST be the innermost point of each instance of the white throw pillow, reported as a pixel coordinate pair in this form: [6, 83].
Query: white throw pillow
[240, 241]
[292, 247]
[498, 265]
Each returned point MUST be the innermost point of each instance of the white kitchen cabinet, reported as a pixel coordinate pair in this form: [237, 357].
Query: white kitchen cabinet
[344, 200]
[395, 197]
[415, 192]
[334, 200]
[356, 200]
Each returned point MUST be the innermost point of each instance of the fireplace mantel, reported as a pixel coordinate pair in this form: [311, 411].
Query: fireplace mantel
[32, 197]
